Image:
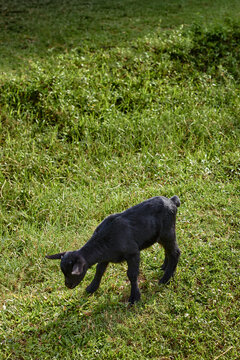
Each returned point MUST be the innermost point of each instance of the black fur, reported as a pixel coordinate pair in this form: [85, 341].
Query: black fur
[121, 237]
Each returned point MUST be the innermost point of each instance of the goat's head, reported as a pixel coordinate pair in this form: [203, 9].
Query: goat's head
[73, 266]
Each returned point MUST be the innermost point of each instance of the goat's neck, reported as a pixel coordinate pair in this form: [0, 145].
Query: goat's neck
[93, 252]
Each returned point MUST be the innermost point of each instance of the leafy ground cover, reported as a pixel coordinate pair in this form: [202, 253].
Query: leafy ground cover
[102, 105]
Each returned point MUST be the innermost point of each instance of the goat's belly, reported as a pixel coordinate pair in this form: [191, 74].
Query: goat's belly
[118, 259]
[147, 243]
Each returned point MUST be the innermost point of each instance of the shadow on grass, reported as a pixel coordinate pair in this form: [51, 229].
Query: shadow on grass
[77, 322]
[38, 30]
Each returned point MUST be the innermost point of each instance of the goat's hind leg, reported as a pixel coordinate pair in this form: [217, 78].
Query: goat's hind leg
[164, 265]
[100, 270]
[170, 262]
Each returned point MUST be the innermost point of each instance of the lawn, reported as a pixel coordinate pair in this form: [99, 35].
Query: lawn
[104, 104]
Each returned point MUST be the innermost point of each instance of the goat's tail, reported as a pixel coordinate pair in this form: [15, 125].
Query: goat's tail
[175, 199]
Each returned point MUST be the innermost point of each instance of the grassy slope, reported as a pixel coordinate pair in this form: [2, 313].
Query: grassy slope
[95, 123]
[39, 29]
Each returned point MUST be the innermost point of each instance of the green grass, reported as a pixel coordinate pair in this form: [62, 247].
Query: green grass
[102, 105]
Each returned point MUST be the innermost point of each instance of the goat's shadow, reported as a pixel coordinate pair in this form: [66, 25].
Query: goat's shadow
[81, 318]
[82, 321]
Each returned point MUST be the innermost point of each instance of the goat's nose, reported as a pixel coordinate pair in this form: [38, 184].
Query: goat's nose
[68, 285]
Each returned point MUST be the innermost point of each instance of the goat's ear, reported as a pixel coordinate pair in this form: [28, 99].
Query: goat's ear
[79, 267]
[56, 256]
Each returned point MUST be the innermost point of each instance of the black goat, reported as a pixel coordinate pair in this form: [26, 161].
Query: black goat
[121, 237]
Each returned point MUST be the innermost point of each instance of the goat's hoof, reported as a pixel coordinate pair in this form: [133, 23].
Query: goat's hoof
[134, 299]
[91, 289]
[164, 281]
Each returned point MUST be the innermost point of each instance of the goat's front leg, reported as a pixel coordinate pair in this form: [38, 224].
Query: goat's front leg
[100, 270]
[132, 273]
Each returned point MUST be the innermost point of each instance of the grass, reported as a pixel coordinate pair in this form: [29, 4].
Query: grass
[102, 105]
